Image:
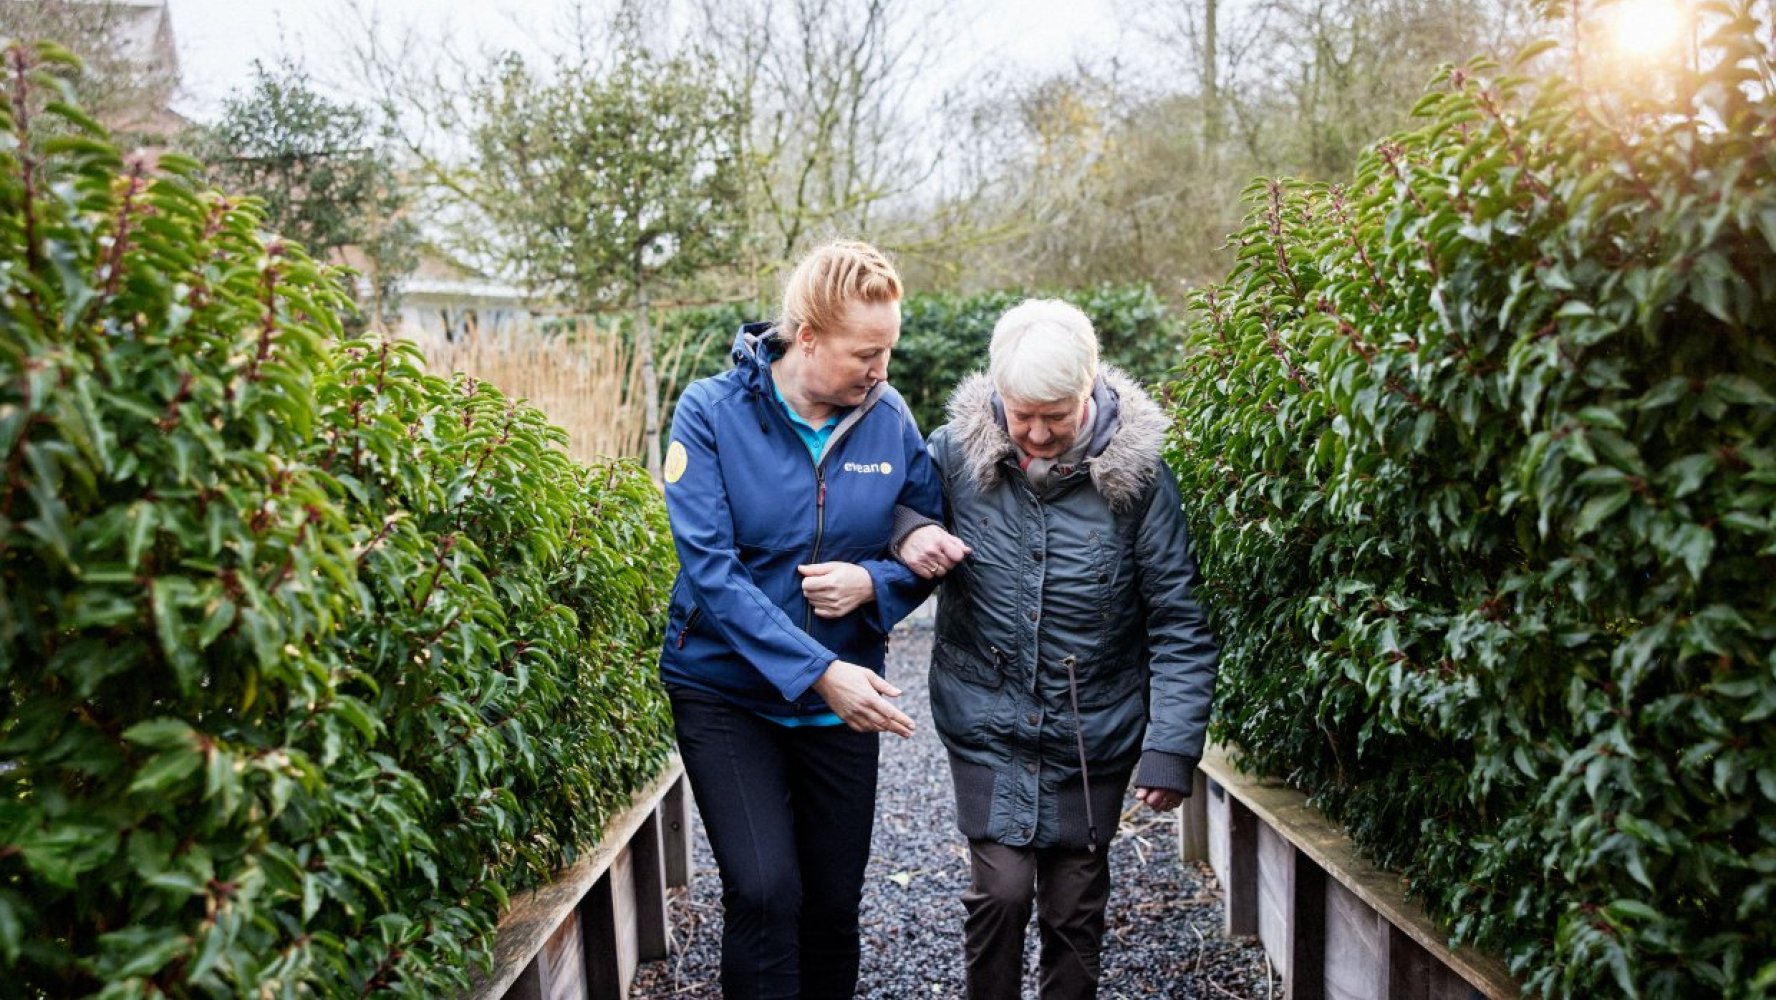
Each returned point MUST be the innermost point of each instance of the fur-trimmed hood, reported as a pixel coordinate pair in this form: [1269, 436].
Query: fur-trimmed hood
[1126, 443]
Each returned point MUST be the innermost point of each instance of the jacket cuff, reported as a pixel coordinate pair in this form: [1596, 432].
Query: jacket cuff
[906, 521]
[1170, 771]
[803, 682]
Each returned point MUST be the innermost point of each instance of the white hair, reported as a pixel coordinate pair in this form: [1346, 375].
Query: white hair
[1043, 350]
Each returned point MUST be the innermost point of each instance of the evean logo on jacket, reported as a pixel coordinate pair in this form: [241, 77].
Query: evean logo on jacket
[883, 467]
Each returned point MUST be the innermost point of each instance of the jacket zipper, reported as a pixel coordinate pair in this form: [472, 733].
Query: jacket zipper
[819, 501]
[690, 619]
[819, 531]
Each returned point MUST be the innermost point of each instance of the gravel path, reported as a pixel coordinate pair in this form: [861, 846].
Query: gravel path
[1164, 940]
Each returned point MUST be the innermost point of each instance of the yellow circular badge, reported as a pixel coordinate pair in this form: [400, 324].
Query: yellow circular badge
[676, 459]
[887, 470]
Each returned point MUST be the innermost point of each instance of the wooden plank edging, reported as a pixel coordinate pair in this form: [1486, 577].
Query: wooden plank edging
[1286, 811]
[534, 915]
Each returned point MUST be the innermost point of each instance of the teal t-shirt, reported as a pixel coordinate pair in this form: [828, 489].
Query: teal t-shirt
[815, 438]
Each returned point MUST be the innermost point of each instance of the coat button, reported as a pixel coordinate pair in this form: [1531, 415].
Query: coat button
[1033, 718]
[1030, 767]
[1034, 615]
[1028, 833]
[1103, 578]
[1036, 555]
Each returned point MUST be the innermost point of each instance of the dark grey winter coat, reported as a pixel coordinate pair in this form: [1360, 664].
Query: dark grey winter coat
[1091, 578]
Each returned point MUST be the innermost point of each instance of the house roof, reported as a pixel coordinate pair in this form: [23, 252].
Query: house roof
[438, 276]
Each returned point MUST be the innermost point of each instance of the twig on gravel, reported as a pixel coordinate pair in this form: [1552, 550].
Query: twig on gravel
[693, 923]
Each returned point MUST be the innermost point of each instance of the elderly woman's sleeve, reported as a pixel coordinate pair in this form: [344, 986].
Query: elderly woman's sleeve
[906, 519]
[899, 590]
[1184, 655]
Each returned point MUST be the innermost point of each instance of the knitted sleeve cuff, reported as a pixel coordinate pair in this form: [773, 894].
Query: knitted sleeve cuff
[907, 521]
[1169, 771]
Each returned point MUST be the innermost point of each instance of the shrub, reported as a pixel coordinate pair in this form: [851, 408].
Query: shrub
[307, 658]
[944, 337]
[1478, 453]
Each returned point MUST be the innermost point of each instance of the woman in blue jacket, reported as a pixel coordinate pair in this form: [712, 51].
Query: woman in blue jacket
[782, 477]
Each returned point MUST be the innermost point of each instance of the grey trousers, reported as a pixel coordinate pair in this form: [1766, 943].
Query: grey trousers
[1070, 889]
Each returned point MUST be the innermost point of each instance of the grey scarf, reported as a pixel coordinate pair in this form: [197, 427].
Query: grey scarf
[1041, 470]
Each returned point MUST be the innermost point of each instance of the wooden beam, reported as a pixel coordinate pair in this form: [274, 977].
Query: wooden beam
[535, 915]
[1193, 821]
[675, 817]
[1286, 810]
[1242, 869]
[563, 962]
[652, 933]
[1306, 934]
[1406, 967]
[529, 984]
[1356, 947]
[1276, 897]
[1218, 834]
[621, 877]
[599, 927]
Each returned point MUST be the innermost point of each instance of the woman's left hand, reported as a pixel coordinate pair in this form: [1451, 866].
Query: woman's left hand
[1160, 799]
[835, 589]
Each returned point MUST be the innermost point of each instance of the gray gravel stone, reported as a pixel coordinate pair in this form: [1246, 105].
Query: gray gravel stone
[1164, 937]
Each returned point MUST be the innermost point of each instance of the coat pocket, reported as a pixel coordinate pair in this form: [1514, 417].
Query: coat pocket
[958, 661]
[1111, 680]
[690, 622]
[966, 696]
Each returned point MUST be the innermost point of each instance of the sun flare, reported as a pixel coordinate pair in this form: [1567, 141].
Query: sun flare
[1645, 27]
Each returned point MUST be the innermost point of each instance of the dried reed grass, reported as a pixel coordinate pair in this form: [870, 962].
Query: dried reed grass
[586, 378]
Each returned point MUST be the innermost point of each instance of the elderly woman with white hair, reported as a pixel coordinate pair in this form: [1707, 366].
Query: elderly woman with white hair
[1070, 652]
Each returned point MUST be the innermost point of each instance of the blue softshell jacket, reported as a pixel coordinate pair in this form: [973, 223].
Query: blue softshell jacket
[749, 505]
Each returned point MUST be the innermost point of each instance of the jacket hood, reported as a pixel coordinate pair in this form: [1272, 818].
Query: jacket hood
[752, 353]
[749, 351]
[1125, 449]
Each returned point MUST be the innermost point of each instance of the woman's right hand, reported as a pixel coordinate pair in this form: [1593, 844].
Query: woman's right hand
[931, 551]
[860, 696]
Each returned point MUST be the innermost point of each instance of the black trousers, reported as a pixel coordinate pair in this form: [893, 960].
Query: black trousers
[1070, 888]
[788, 811]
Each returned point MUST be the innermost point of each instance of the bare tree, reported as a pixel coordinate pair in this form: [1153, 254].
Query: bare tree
[1112, 185]
[830, 85]
[1138, 176]
[1212, 40]
[1301, 85]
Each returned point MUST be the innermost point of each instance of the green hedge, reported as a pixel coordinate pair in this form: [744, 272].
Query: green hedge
[1480, 454]
[307, 658]
[944, 337]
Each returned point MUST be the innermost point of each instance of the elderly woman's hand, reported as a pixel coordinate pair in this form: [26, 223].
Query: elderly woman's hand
[931, 551]
[1160, 799]
[835, 589]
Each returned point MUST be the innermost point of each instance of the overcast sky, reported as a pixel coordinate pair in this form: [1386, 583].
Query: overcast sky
[219, 39]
